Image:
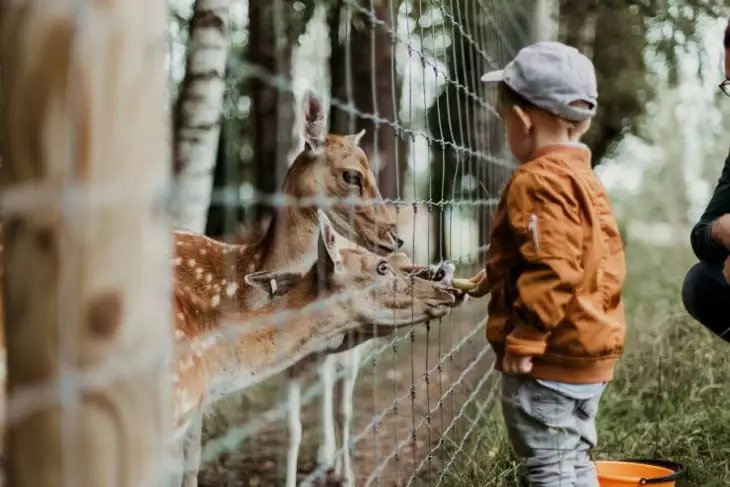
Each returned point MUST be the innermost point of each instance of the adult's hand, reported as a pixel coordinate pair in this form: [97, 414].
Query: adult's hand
[720, 230]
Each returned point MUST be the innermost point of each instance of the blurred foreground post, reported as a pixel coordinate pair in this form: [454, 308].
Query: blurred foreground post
[84, 165]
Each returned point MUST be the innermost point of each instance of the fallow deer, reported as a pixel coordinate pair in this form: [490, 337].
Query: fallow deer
[330, 167]
[346, 357]
[369, 290]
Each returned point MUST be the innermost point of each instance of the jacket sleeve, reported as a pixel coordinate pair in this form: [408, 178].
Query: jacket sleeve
[546, 219]
[703, 246]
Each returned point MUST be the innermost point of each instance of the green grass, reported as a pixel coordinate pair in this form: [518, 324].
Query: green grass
[670, 398]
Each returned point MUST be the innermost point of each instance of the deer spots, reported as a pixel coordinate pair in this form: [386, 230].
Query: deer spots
[231, 289]
[209, 278]
[198, 273]
[178, 261]
[191, 262]
[215, 300]
[203, 251]
[104, 314]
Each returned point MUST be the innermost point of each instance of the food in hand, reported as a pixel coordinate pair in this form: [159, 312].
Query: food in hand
[462, 284]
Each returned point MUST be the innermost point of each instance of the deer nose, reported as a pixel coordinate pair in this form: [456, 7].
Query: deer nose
[398, 242]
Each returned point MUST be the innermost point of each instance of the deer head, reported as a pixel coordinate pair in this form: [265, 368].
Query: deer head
[374, 289]
[336, 167]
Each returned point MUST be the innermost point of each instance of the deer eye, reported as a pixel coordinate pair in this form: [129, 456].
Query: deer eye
[353, 178]
[382, 268]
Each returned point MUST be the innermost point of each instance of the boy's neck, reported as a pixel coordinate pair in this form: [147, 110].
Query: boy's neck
[559, 137]
[546, 140]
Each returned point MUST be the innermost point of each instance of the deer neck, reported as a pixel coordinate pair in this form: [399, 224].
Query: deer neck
[215, 271]
[282, 336]
[291, 240]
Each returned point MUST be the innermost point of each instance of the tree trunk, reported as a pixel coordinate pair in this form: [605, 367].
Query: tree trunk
[86, 293]
[373, 87]
[198, 111]
[272, 34]
[545, 22]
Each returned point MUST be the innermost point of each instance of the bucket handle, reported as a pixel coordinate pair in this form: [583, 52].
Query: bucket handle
[679, 471]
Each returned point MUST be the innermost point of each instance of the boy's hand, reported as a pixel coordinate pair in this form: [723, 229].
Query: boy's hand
[512, 364]
[482, 284]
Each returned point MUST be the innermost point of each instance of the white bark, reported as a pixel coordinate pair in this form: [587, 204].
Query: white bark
[545, 23]
[198, 113]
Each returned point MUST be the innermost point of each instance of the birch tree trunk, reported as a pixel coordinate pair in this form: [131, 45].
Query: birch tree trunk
[545, 25]
[86, 294]
[198, 112]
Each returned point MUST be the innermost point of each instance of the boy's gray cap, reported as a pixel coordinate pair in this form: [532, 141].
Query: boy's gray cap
[552, 75]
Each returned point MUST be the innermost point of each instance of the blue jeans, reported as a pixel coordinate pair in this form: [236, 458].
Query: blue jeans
[706, 297]
[552, 434]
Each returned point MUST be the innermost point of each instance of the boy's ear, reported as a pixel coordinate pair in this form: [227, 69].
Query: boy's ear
[273, 283]
[522, 116]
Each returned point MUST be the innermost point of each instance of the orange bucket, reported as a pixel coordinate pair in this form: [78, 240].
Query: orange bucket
[632, 473]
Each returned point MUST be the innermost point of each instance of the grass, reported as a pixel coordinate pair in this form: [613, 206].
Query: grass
[670, 398]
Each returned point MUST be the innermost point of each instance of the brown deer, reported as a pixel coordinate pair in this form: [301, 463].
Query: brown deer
[345, 289]
[330, 166]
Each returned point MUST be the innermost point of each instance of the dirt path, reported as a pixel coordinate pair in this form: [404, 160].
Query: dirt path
[387, 452]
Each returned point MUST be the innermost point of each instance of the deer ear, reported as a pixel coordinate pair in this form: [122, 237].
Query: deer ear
[356, 138]
[328, 254]
[314, 123]
[274, 284]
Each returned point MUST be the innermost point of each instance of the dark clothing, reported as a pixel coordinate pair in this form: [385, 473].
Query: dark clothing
[706, 297]
[704, 247]
[705, 292]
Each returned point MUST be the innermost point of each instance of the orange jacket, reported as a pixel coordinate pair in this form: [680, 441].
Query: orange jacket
[556, 268]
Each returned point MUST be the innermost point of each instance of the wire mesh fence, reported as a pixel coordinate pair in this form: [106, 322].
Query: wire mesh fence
[407, 73]
[419, 159]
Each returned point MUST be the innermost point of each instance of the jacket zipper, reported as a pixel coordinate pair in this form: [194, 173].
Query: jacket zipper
[532, 227]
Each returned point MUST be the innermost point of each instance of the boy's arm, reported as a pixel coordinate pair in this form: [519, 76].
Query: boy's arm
[706, 240]
[546, 218]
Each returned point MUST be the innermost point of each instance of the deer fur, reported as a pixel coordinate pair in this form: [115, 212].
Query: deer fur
[330, 166]
[211, 364]
[339, 393]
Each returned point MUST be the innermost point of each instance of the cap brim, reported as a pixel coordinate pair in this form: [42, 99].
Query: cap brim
[493, 76]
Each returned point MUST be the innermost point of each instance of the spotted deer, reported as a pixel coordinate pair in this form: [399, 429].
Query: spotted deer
[329, 166]
[220, 351]
[346, 357]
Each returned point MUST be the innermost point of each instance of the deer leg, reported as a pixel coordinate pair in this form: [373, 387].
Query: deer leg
[192, 451]
[176, 459]
[328, 446]
[295, 431]
[343, 468]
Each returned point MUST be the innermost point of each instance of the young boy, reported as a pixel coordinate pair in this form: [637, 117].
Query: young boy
[555, 268]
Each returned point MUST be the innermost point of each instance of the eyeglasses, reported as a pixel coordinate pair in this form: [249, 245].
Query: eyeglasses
[725, 87]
